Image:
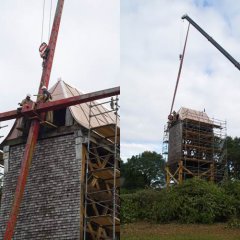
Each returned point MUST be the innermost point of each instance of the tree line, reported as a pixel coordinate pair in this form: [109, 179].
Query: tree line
[147, 170]
[144, 196]
[194, 201]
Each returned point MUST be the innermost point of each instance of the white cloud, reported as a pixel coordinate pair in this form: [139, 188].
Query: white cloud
[130, 149]
[152, 37]
[87, 53]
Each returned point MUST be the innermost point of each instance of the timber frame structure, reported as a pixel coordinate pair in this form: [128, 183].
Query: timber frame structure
[193, 146]
[102, 201]
[85, 146]
[36, 113]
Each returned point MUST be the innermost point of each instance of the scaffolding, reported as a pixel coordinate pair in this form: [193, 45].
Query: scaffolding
[196, 147]
[102, 174]
[165, 143]
[1, 172]
[1, 164]
[1, 161]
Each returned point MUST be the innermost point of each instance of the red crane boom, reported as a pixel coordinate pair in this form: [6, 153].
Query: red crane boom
[58, 104]
[34, 129]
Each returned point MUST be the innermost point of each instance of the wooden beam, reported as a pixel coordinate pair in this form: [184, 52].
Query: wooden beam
[187, 170]
[67, 102]
[59, 104]
[9, 115]
[171, 177]
[180, 172]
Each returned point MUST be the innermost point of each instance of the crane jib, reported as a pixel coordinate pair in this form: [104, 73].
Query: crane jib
[33, 131]
[215, 44]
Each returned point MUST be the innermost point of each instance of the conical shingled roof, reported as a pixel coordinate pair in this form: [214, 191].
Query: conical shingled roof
[80, 112]
[187, 113]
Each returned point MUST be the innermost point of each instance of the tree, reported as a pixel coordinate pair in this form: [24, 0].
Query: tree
[144, 170]
[233, 157]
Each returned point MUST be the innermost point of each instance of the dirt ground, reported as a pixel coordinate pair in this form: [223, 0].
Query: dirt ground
[147, 231]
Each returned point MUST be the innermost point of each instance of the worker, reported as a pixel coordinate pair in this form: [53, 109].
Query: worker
[26, 100]
[24, 121]
[46, 95]
[174, 116]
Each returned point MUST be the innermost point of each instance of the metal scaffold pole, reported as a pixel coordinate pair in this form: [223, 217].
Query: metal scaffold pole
[101, 214]
[116, 160]
[86, 176]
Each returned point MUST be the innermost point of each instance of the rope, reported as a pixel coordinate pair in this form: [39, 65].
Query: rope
[180, 69]
[49, 26]
[43, 20]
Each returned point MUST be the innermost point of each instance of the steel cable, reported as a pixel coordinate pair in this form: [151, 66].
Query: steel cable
[179, 71]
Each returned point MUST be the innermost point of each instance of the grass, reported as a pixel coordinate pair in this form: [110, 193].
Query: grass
[147, 231]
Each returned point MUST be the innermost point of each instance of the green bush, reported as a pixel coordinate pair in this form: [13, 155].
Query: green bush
[232, 188]
[129, 210]
[195, 201]
[138, 206]
[234, 223]
[165, 206]
[202, 202]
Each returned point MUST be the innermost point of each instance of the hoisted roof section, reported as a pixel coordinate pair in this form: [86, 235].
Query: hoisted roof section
[79, 112]
[195, 115]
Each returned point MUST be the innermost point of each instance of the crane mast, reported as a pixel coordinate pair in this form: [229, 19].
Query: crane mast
[214, 43]
[34, 128]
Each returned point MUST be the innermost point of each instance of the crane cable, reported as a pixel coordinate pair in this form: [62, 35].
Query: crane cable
[43, 19]
[50, 18]
[179, 71]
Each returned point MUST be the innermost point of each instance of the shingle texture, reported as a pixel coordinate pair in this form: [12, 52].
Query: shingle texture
[51, 204]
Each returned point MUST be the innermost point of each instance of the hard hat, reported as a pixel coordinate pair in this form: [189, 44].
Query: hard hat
[29, 95]
[44, 87]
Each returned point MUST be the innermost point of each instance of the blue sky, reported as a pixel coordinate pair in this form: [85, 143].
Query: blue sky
[145, 37]
[152, 37]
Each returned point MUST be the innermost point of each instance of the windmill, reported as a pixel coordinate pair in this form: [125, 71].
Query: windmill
[36, 113]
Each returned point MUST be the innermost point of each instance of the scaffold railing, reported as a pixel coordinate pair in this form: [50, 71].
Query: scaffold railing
[102, 200]
[194, 145]
[165, 143]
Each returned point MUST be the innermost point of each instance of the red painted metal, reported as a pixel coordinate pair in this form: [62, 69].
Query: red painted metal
[63, 103]
[22, 179]
[66, 102]
[47, 67]
[9, 115]
[34, 129]
[41, 109]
